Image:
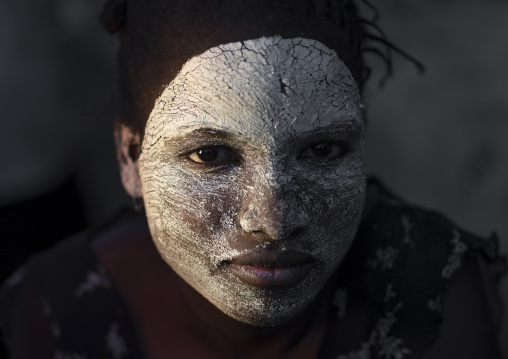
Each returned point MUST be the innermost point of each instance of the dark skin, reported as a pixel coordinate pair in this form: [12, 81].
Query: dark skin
[176, 321]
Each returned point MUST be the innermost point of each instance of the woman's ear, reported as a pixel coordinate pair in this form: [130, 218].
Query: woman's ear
[128, 147]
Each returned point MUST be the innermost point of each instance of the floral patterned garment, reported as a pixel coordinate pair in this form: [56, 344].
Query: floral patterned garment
[403, 260]
[62, 304]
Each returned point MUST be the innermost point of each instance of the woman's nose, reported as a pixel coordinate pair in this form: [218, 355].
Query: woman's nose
[270, 210]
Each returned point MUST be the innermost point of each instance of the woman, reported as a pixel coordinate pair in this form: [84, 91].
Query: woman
[242, 132]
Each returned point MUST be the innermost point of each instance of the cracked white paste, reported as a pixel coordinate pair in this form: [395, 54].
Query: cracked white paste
[266, 102]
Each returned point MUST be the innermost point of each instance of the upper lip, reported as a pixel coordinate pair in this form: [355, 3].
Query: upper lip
[261, 257]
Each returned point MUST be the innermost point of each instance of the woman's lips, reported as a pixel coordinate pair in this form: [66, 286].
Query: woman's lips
[264, 268]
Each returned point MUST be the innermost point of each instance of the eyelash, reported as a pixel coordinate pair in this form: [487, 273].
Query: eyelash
[227, 156]
[221, 151]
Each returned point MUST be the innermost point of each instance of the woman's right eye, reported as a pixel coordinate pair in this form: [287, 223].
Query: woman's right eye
[212, 155]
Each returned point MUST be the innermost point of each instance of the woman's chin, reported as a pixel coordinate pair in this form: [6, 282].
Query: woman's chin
[269, 317]
[268, 307]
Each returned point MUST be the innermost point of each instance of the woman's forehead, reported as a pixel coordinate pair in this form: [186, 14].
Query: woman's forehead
[273, 57]
[160, 36]
[257, 86]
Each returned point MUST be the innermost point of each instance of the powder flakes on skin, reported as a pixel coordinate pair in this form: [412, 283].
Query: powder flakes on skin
[264, 103]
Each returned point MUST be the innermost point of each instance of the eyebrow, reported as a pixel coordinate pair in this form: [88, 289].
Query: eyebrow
[351, 126]
[206, 132]
[214, 132]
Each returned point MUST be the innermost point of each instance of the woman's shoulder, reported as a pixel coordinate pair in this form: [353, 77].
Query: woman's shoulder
[65, 303]
[409, 263]
[59, 269]
[395, 233]
[67, 270]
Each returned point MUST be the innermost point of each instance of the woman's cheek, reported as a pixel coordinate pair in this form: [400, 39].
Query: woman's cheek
[336, 188]
[338, 198]
[189, 201]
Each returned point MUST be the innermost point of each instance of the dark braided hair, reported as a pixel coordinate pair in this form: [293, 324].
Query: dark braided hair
[159, 36]
[373, 38]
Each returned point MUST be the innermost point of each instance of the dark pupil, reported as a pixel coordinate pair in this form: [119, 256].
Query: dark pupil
[321, 149]
[207, 154]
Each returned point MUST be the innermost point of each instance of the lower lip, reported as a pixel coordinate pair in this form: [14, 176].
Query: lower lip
[270, 276]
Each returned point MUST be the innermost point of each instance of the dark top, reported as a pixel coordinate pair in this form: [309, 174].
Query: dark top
[63, 304]
[52, 216]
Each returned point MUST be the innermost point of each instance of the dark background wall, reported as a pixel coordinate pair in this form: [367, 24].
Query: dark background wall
[57, 85]
[439, 140]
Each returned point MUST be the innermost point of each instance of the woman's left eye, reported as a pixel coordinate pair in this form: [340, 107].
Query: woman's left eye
[323, 150]
[212, 155]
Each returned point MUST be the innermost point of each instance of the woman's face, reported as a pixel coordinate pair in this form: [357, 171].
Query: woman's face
[253, 174]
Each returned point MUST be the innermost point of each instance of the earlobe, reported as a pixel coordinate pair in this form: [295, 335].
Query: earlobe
[127, 144]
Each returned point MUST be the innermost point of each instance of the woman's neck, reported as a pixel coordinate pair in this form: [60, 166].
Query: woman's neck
[174, 319]
[298, 338]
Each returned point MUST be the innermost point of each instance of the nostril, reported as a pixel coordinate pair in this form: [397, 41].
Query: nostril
[275, 216]
[267, 231]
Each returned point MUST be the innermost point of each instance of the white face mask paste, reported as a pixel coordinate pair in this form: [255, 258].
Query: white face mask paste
[268, 102]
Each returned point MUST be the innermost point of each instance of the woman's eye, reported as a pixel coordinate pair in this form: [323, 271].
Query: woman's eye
[323, 150]
[211, 155]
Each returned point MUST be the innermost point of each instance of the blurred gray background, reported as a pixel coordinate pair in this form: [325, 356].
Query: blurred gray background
[438, 140]
[441, 140]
